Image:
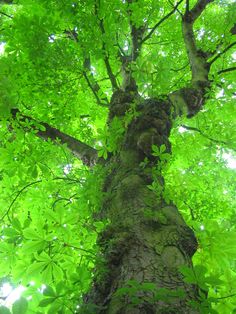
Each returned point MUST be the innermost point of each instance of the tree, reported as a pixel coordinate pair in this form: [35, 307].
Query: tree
[116, 155]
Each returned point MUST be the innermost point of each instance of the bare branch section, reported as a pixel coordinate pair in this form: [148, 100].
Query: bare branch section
[136, 35]
[197, 58]
[189, 100]
[106, 56]
[135, 32]
[93, 84]
[87, 154]
[88, 74]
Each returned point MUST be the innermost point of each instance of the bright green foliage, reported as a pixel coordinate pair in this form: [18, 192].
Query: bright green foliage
[49, 199]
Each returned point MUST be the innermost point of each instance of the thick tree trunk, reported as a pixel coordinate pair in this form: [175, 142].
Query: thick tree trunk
[147, 240]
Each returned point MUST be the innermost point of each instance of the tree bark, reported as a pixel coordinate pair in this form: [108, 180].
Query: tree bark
[87, 154]
[147, 240]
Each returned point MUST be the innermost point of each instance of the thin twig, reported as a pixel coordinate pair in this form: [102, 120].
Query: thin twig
[78, 248]
[93, 90]
[191, 210]
[222, 52]
[190, 128]
[226, 70]
[5, 14]
[106, 57]
[227, 296]
[160, 22]
[69, 200]
[16, 197]
[67, 179]
[182, 68]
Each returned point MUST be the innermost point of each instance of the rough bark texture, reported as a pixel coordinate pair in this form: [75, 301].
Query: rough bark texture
[147, 239]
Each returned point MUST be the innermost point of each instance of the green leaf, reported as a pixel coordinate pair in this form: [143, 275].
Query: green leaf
[16, 224]
[10, 232]
[56, 306]
[33, 246]
[20, 306]
[162, 148]
[27, 222]
[35, 268]
[47, 273]
[57, 272]
[4, 310]
[156, 151]
[31, 234]
[60, 287]
[45, 302]
[188, 273]
[48, 291]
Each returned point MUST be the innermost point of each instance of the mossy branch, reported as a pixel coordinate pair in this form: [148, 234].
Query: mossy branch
[87, 154]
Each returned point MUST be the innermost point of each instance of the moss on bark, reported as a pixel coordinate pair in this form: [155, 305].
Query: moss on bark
[147, 240]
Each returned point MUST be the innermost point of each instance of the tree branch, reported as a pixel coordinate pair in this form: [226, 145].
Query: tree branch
[160, 22]
[226, 70]
[7, 1]
[189, 100]
[187, 6]
[106, 58]
[180, 69]
[227, 296]
[190, 128]
[222, 52]
[136, 33]
[95, 88]
[87, 154]
[190, 210]
[16, 197]
[197, 58]
[88, 75]
[7, 15]
[199, 7]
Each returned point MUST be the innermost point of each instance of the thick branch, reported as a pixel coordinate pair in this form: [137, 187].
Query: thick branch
[189, 100]
[199, 7]
[197, 58]
[136, 33]
[161, 21]
[84, 152]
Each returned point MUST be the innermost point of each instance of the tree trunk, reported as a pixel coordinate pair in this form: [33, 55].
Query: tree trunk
[147, 239]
